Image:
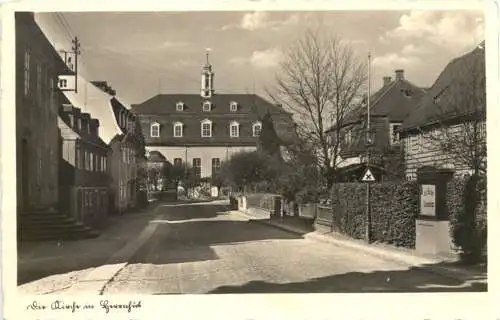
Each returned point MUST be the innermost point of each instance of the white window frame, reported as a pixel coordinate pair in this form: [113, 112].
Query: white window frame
[209, 123]
[153, 126]
[234, 124]
[179, 106]
[391, 134]
[255, 125]
[205, 104]
[233, 106]
[178, 125]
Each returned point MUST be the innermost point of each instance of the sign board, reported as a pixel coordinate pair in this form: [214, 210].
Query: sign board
[428, 200]
[368, 176]
[70, 60]
[66, 82]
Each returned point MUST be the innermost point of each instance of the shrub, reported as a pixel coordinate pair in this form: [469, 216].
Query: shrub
[394, 207]
[467, 220]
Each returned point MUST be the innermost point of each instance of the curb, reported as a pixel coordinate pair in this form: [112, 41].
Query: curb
[401, 258]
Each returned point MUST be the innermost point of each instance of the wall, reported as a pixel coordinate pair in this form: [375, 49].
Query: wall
[36, 119]
[205, 153]
[421, 150]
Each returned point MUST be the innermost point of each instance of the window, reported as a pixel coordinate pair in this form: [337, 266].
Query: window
[197, 167]
[233, 106]
[256, 129]
[177, 162]
[215, 166]
[394, 133]
[348, 137]
[179, 106]
[178, 129]
[92, 168]
[234, 129]
[78, 161]
[27, 61]
[206, 128]
[155, 130]
[39, 83]
[207, 106]
[51, 93]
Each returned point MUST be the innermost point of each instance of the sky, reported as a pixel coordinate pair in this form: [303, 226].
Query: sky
[143, 54]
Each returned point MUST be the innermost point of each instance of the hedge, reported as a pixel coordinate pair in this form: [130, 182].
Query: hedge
[466, 203]
[394, 207]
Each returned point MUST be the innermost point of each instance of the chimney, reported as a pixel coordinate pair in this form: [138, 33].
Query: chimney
[85, 122]
[387, 80]
[76, 121]
[400, 74]
[94, 127]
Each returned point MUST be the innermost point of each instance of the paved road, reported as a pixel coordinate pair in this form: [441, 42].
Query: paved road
[205, 249]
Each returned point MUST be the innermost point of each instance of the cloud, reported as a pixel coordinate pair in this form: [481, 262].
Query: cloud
[254, 20]
[411, 49]
[175, 44]
[396, 61]
[260, 59]
[266, 58]
[457, 30]
[259, 20]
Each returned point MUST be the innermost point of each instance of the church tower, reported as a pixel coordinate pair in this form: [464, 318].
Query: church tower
[207, 79]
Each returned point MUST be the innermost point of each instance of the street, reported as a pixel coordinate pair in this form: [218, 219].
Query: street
[203, 248]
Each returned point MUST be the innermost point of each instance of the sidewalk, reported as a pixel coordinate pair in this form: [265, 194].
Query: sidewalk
[41, 263]
[444, 266]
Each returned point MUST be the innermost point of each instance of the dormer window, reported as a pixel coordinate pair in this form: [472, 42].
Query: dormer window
[207, 106]
[179, 106]
[234, 129]
[206, 128]
[155, 130]
[178, 129]
[394, 133]
[256, 129]
[233, 106]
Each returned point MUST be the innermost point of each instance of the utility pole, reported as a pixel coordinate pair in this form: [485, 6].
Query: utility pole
[368, 145]
[76, 50]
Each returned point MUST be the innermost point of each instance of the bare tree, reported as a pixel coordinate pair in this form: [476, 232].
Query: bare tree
[320, 80]
[463, 98]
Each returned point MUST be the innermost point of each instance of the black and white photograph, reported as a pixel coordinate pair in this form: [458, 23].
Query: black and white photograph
[249, 151]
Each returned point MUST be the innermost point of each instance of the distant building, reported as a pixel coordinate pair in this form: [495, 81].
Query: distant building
[203, 130]
[388, 108]
[38, 66]
[456, 99]
[84, 179]
[157, 168]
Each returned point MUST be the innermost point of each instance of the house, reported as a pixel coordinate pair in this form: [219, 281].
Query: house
[37, 135]
[203, 130]
[157, 168]
[120, 131]
[388, 108]
[447, 129]
[83, 179]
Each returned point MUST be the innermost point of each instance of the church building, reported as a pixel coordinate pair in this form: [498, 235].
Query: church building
[203, 130]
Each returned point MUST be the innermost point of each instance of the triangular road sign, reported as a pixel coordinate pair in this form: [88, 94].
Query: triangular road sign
[368, 176]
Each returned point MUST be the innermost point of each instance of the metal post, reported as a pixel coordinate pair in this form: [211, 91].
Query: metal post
[368, 140]
[76, 50]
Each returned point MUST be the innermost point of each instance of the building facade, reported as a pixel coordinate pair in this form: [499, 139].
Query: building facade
[37, 135]
[83, 178]
[447, 129]
[203, 130]
[388, 108]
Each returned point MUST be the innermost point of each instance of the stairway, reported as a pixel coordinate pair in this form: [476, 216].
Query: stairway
[49, 224]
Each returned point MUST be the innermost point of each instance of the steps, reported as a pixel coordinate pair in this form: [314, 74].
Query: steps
[48, 224]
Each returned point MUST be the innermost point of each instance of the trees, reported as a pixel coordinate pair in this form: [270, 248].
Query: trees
[320, 80]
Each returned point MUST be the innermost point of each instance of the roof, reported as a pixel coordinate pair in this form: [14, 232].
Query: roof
[97, 103]
[394, 100]
[454, 84]
[69, 133]
[156, 156]
[193, 103]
